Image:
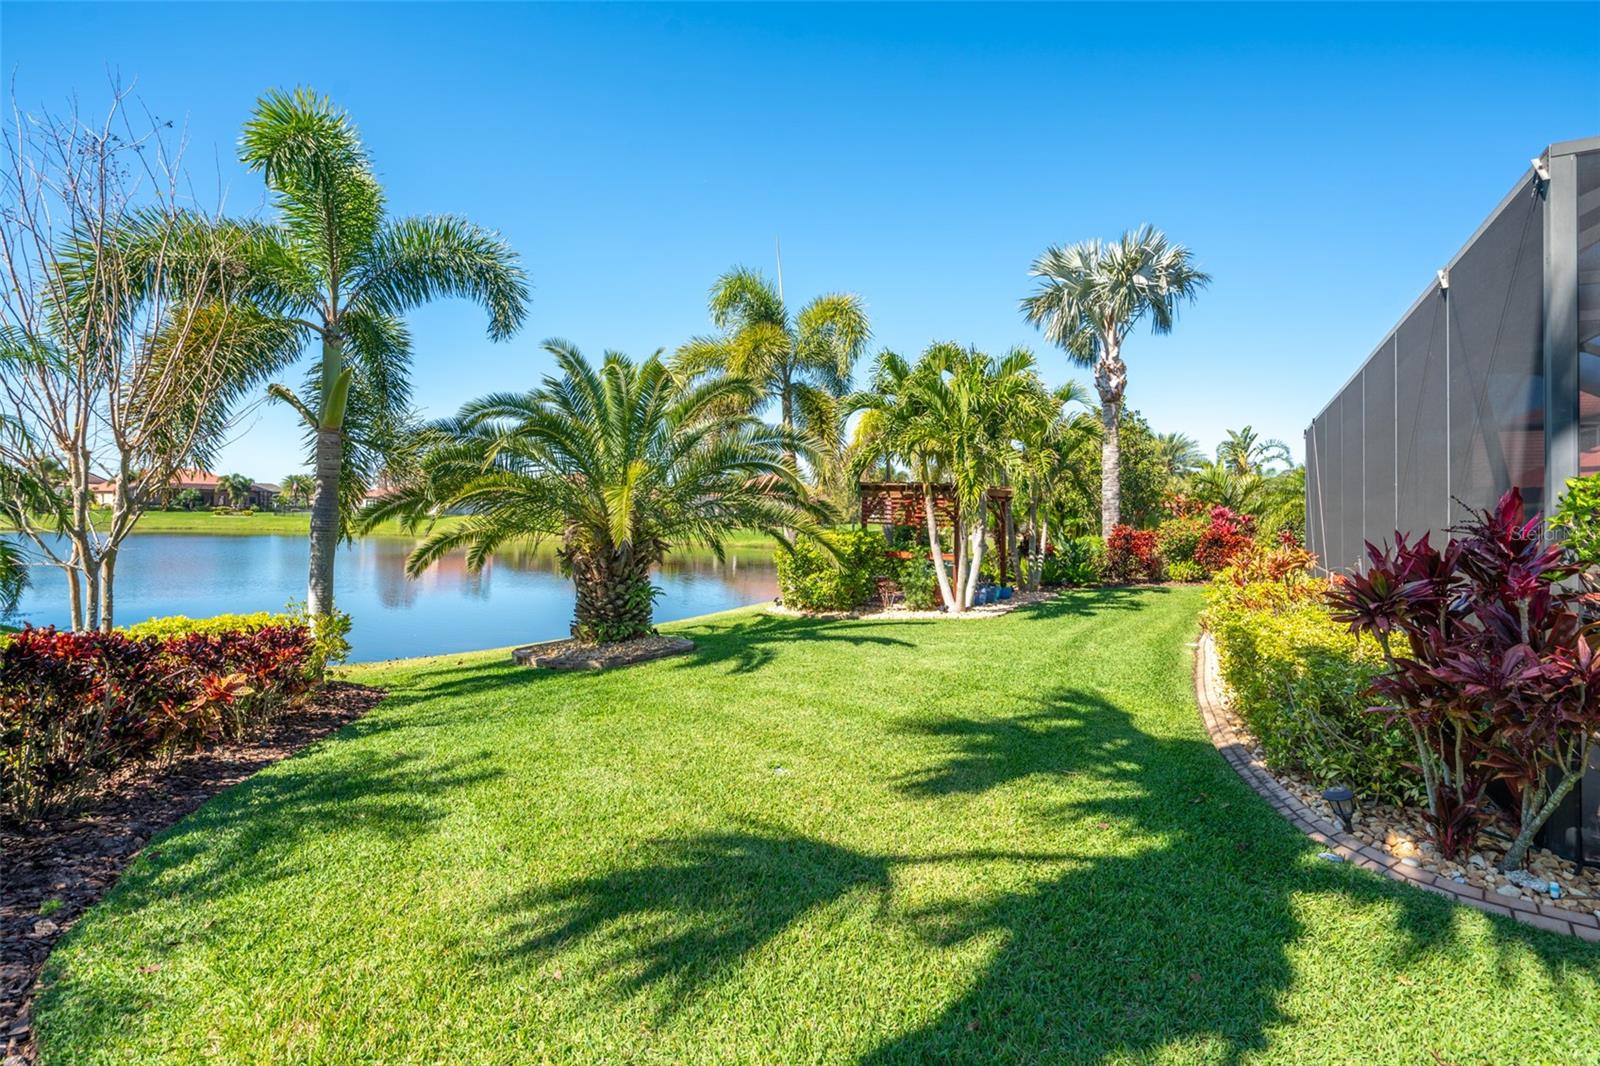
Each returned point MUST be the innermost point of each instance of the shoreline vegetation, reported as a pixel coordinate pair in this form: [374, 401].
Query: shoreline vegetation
[298, 523]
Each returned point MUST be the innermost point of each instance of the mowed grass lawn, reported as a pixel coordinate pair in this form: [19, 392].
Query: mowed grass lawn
[826, 842]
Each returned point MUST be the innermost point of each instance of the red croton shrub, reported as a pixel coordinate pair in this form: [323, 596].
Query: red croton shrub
[1491, 666]
[1131, 555]
[1227, 536]
[76, 704]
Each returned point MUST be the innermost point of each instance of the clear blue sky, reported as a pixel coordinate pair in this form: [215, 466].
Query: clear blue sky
[1321, 161]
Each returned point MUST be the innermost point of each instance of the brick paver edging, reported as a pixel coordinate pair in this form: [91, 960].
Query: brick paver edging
[1316, 826]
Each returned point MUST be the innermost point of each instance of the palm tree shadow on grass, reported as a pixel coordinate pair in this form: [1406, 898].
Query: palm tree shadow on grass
[744, 645]
[1186, 942]
[1183, 940]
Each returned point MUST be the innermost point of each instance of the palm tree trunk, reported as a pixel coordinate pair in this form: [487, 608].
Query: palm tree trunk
[1035, 545]
[959, 536]
[935, 548]
[614, 600]
[324, 521]
[1008, 564]
[1110, 465]
[975, 562]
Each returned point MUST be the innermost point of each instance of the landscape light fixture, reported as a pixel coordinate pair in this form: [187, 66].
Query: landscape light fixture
[1343, 802]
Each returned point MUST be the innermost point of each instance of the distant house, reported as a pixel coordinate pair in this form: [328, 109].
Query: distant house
[203, 482]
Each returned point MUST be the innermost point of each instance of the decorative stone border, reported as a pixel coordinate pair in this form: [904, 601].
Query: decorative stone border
[567, 655]
[1209, 694]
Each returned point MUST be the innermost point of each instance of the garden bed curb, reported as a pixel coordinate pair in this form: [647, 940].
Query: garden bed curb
[1314, 824]
[559, 654]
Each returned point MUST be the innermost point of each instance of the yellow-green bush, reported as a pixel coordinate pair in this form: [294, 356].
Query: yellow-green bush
[1297, 680]
[178, 625]
[813, 578]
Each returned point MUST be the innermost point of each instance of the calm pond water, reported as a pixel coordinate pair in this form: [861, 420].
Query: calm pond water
[516, 599]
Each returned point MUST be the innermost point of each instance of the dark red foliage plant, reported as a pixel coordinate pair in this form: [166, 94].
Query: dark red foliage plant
[1131, 555]
[75, 705]
[1491, 665]
[1227, 536]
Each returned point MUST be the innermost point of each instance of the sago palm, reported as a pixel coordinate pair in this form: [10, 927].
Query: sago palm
[1090, 297]
[802, 363]
[618, 462]
[345, 273]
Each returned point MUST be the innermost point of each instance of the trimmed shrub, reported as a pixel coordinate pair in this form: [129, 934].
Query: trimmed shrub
[74, 705]
[330, 643]
[1080, 561]
[1131, 556]
[836, 573]
[919, 586]
[1298, 679]
[1185, 570]
[1177, 538]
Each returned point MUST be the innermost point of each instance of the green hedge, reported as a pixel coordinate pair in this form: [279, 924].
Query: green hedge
[1297, 680]
[178, 625]
[813, 578]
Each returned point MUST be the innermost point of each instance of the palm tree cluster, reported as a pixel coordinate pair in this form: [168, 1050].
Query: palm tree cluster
[1252, 475]
[961, 418]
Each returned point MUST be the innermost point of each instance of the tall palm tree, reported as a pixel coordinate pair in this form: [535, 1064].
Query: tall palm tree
[802, 363]
[345, 274]
[1090, 297]
[619, 462]
[1246, 451]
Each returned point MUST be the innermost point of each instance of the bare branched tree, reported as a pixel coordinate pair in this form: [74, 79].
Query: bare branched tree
[125, 340]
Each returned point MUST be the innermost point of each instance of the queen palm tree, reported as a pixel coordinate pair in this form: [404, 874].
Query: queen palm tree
[802, 363]
[618, 462]
[345, 273]
[1090, 297]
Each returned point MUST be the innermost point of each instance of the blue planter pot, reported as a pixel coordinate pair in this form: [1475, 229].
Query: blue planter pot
[1005, 593]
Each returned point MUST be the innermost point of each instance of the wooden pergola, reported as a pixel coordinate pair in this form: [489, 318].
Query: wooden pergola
[899, 503]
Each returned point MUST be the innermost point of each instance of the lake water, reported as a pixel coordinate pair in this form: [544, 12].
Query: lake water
[517, 598]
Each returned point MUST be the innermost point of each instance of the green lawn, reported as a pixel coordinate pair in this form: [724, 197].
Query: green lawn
[820, 842]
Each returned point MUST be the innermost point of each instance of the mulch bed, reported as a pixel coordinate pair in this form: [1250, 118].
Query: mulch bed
[581, 655]
[75, 858]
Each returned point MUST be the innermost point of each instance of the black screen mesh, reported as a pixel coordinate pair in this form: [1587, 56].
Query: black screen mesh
[1495, 304]
[1378, 402]
[1421, 399]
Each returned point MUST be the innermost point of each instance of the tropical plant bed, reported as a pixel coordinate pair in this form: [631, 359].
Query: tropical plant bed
[1392, 840]
[585, 655]
[899, 613]
[54, 869]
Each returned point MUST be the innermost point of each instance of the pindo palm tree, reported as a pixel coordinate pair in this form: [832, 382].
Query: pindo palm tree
[1090, 296]
[618, 462]
[803, 363]
[344, 273]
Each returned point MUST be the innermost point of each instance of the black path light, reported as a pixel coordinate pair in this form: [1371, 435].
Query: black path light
[1343, 802]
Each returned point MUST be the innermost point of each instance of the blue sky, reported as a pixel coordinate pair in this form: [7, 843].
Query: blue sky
[1322, 161]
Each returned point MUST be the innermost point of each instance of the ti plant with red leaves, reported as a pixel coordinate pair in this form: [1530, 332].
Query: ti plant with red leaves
[1491, 665]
